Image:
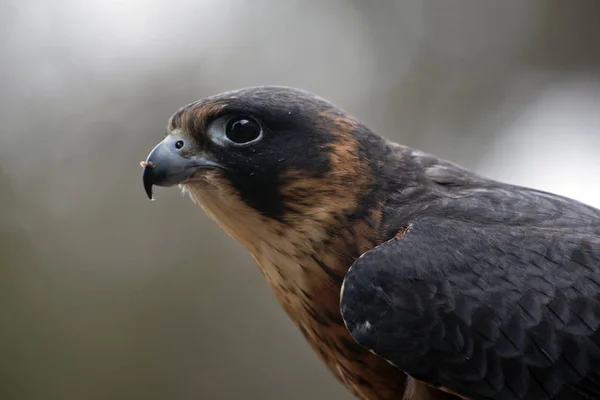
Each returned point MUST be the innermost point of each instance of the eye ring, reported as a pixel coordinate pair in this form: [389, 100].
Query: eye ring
[242, 130]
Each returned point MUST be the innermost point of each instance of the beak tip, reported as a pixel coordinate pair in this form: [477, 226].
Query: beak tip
[148, 181]
[149, 193]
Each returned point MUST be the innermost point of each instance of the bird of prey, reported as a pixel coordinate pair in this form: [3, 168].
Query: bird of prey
[411, 277]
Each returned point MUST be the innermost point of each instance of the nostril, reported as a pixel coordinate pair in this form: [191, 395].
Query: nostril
[179, 144]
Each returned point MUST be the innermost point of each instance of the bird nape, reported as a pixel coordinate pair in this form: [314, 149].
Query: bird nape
[410, 276]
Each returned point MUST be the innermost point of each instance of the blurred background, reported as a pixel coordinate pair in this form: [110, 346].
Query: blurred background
[105, 295]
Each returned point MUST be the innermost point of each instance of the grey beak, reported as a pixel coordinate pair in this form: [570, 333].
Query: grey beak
[165, 166]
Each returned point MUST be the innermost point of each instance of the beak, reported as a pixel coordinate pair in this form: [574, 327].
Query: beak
[165, 166]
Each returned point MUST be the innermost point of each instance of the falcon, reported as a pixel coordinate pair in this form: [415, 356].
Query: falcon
[411, 277]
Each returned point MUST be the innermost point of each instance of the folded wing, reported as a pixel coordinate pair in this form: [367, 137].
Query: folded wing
[487, 311]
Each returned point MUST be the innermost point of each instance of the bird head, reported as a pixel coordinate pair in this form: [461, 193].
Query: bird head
[267, 160]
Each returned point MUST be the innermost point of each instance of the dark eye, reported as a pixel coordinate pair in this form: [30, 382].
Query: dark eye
[242, 130]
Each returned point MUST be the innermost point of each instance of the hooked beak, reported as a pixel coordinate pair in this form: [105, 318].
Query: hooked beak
[165, 166]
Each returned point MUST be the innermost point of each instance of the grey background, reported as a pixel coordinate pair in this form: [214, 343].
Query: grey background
[105, 295]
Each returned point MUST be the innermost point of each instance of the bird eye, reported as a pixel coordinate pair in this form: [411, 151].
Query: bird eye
[242, 130]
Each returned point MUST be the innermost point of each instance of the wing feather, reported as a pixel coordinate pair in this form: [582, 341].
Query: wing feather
[488, 311]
